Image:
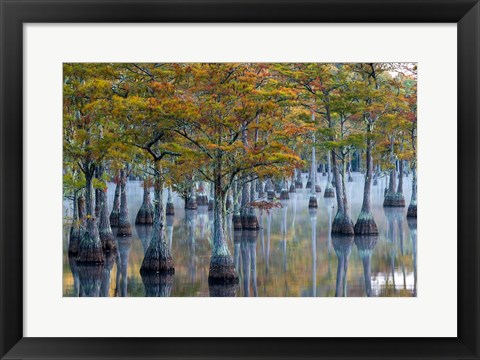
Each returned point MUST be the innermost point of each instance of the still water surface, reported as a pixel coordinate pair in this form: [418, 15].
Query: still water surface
[292, 254]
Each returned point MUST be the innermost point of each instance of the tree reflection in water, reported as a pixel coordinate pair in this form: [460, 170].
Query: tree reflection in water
[124, 244]
[412, 225]
[366, 246]
[144, 233]
[110, 258]
[313, 220]
[157, 285]
[90, 279]
[394, 234]
[72, 260]
[295, 254]
[343, 246]
[191, 218]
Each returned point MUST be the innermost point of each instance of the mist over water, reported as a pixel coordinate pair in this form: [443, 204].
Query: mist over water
[281, 259]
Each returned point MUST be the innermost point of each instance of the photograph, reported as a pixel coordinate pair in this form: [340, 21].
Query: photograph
[239, 179]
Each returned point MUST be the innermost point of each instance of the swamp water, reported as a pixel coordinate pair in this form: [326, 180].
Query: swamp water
[292, 254]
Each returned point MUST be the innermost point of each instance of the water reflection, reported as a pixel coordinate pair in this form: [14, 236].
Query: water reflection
[343, 247]
[366, 246]
[292, 254]
[223, 290]
[157, 285]
[144, 232]
[412, 225]
[313, 219]
[110, 258]
[72, 261]
[248, 253]
[191, 219]
[124, 244]
[90, 279]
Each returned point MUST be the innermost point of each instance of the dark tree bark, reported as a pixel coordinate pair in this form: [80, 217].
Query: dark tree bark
[237, 217]
[245, 201]
[158, 258]
[105, 231]
[145, 213]
[90, 247]
[392, 197]
[124, 227]
[349, 168]
[366, 223]
[229, 204]
[114, 215]
[329, 190]
[191, 202]
[251, 218]
[210, 201]
[342, 223]
[222, 269]
[312, 201]
[76, 229]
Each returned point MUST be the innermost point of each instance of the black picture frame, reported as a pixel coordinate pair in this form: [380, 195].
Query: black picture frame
[14, 13]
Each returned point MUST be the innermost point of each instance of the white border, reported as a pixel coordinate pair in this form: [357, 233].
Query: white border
[47, 314]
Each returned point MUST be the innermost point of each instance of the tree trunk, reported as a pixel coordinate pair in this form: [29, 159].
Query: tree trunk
[145, 213]
[366, 223]
[245, 201]
[105, 231]
[270, 190]
[412, 208]
[90, 247]
[284, 192]
[158, 258]
[312, 202]
[329, 191]
[298, 179]
[251, 220]
[98, 195]
[76, 231]
[191, 203]
[392, 198]
[222, 269]
[124, 227]
[237, 217]
[349, 169]
[170, 208]
[114, 215]
[342, 223]
[400, 178]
